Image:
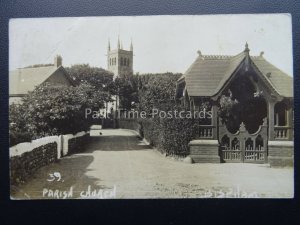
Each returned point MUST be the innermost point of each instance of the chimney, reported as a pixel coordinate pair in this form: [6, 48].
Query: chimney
[57, 61]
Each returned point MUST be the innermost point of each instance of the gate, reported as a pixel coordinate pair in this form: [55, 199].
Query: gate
[242, 146]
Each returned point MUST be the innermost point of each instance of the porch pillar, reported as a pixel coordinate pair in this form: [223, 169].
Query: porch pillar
[271, 105]
[290, 123]
[215, 121]
[192, 105]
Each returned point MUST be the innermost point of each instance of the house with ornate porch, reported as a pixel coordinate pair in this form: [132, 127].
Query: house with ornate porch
[251, 103]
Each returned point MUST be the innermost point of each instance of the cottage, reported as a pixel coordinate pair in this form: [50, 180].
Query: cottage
[252, 106]
[23, 80]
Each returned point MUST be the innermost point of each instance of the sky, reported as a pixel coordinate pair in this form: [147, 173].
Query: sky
[160, 43]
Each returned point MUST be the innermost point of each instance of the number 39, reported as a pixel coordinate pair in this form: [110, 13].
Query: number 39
[53, 176]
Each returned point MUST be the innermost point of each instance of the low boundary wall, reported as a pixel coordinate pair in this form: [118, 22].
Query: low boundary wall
[26, 158]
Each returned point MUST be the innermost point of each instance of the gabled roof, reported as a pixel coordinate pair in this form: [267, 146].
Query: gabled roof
[279, 80]
[23, 80]
[209, 73]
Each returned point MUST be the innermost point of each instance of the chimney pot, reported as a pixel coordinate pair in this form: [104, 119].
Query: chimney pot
[58, 61]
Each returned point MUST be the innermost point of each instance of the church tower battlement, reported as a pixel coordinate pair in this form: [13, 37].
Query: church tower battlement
[120, 61]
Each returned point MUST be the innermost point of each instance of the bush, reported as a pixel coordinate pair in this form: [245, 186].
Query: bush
[53, 110]
[175, 135]
[16, 137]
[150, 130]
[157, 91]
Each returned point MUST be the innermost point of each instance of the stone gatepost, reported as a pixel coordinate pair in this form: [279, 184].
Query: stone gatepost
[281, 153]
[204, 151]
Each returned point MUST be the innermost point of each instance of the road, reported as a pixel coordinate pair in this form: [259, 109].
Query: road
[120, 165]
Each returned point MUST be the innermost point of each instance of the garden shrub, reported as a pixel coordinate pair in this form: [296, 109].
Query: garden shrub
[175, 135]
[150, 130]
[53, 110]
[16, 137]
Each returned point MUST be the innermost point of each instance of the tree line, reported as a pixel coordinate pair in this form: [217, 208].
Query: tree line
[53, 110]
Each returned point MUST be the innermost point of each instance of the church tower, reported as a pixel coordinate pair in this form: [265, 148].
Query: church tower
[120, 61]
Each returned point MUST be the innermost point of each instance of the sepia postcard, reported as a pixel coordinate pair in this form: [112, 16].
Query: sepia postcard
[143, 107]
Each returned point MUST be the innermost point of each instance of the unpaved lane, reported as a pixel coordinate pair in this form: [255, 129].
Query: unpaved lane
[119, 163]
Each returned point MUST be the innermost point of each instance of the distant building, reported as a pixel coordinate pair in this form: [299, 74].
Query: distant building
[24, 80]
[120, 61]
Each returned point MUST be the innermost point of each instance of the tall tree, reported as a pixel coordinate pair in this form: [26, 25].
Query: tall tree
[157, 91]
[94, 76]
[127, 90]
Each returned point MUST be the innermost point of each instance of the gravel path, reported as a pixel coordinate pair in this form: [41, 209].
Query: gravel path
[119, 165]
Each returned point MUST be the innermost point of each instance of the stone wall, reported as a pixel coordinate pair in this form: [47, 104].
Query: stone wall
[77, 143]
[22, 166]
[26, 158]
[281, 153]
[73, 143]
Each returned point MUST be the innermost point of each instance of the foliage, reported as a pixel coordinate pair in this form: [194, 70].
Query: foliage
[226, 107]
[94, 76]
[150, 130]
[157, 91]
[127, 90]
[175, 135]
[169, 135]
[53, 110]
[18, 126]
[148, 91]
[16, 137]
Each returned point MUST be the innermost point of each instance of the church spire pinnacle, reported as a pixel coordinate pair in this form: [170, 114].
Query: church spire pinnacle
[119, 42]
[247, 60]
[131, 46]
[108, 46]
[247, 48]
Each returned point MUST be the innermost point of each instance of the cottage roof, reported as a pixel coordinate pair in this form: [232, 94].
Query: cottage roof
[209, 73]
[23, 80]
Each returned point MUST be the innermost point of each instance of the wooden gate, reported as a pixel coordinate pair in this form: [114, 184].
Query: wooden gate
[242, 146]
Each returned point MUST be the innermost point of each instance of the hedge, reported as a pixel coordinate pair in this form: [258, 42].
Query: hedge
[169, 136]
